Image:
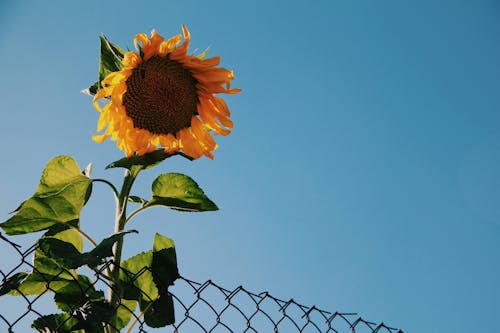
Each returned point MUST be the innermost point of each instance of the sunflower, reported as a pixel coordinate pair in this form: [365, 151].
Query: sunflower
[165, 98]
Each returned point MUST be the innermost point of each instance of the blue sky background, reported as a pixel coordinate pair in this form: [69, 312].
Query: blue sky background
[363, 173]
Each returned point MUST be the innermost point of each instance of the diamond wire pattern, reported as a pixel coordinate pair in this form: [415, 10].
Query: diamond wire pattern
[199, 307]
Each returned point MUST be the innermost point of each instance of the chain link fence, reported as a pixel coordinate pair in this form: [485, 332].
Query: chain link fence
[199, 307]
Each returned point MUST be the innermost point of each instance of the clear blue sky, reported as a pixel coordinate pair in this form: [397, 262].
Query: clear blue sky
[363, 173]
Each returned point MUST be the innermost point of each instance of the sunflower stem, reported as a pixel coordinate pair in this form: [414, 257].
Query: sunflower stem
[120, 220]
[135, 212]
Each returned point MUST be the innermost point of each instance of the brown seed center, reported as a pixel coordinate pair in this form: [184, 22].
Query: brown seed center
[161, 96]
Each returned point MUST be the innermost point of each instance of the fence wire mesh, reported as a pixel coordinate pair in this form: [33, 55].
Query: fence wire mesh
[199, 307]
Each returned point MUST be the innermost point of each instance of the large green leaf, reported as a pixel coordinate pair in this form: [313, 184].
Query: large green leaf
[47, 273]
[110, 61]
[145, 161]
[67, 232]
[179, 192]
[164, 268]
[59, 172]
[164, 265]
[49, 266]
[60, 196]
[38, 283]
[137, 280]
[161, 312]
[146, 277]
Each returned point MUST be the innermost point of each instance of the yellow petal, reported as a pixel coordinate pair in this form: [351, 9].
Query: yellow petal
[141, 38]
[207, 114]
[180, 52]
[114, 78]
[169, 143]
[131, 59]
[100, 138]
[153, 46]
[103, 121]
[221, 106]
[189, 144]
[201, 134]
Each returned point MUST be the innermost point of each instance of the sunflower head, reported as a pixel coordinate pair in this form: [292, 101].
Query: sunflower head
[164, 98]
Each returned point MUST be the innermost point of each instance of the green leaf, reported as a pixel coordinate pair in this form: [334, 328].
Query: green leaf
[137, 200]
[124, 312]
[67, 232]
[88, 305]
[55, 323]
[46, 265]
[137, 280]
[93, 315]
[164, 265]
[179, 192]
[145, 161]
[46, 276]
[58, 173]
[105, 248]
[64, 253]
[60, 196]
[38, 283]
[47, 273]
[75, 295]
[48, 258]
[12, 283]
[161, 312]
[68, 256]
[110, 61]
[146, 278]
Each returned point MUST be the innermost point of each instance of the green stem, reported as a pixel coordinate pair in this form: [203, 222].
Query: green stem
[120, 221]
[81, 232]
[140, 209]
[113, 188]
[116, 195]
[135, 212]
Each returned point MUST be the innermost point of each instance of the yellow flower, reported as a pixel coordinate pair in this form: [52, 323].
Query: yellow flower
[163, 97]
